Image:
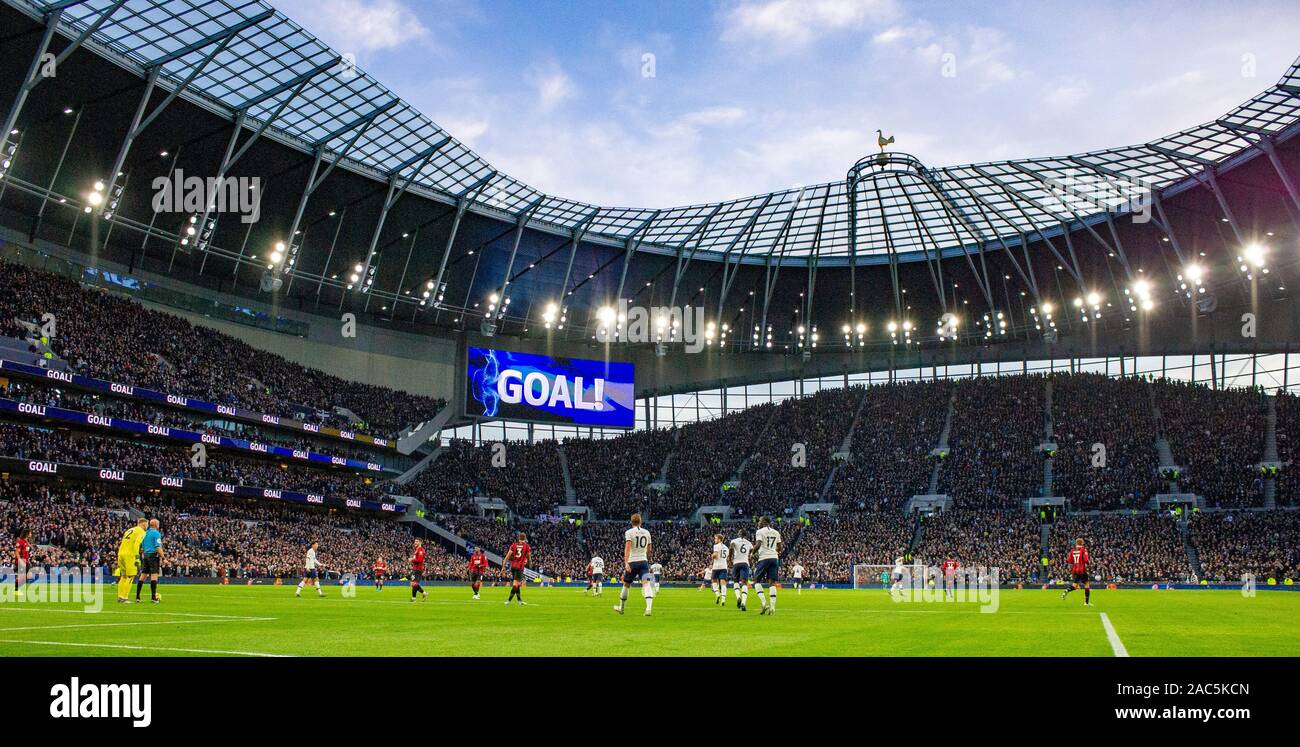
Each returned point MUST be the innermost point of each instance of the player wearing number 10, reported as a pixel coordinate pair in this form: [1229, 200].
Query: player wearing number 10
[636, 564]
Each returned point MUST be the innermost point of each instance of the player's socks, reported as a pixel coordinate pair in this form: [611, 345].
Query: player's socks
[153, 589]
[139, 587]
[1087, 596]
[772, 604]
[622, 599]
[762, 599]
[744, 595]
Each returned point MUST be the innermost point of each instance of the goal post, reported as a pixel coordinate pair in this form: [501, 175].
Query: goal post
[872, 576]
[915, 576]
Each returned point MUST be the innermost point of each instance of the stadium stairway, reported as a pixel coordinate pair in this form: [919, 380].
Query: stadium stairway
[1045, 540]
[943, 441]
[740, 470]
[846, 446]
[1193, 557]
[570, 494]
[918, 533]
[419, 467]
[1270, 453]
[1049, 436]
[418, 436]
[1164, 454]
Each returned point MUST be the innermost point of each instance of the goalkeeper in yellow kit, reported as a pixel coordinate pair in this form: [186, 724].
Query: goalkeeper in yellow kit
[128, 558]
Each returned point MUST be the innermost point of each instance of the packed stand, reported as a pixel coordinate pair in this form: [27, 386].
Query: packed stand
[164, 352]
[1231, 544]
[771, 483]
[1087, 409]
[997, 426]
[530, 481]
[899, 426]
[989, 537]
[707, 455]
[830, 546]
[1218, 435]
[1124, 548]
[611, 475]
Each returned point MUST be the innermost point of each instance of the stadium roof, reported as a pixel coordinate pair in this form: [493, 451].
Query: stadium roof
[243, 56]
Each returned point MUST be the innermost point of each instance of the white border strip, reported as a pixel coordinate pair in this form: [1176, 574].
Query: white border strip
[1116, 644]
[150, 648]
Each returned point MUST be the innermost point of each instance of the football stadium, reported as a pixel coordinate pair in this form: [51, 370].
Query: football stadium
[290, 369]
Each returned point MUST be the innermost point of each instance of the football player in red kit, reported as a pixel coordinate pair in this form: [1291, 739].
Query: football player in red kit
[417, 570]
[478, 566]
[380, 570]
[950, 567]
[1077, 559]
[22, 559]
[517, 556]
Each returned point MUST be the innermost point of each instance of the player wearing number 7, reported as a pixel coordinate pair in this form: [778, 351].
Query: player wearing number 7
[636, 564]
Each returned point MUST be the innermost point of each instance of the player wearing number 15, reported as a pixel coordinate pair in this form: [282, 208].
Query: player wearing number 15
[636, 564]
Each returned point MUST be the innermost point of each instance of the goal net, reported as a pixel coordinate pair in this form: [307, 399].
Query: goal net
[915, 576]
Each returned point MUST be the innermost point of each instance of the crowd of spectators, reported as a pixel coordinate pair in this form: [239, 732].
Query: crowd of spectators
[611, 475]
[709, 452]
[85, 449]
[830, 546]
[1136, 547]
[1288, 448]
[1088, 409]
[207, 537]
[1231, 544]
[987, 537]
[997, 425]
[526, 476]
[792, 459]
[143, 412]
[108, 336]
[1218, 435]
[899, 426]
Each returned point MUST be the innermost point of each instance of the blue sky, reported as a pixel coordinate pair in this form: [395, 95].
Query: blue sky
[747, 96]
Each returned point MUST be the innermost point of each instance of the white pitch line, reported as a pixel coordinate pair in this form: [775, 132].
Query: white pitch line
[1115, 643]
[127, 612]
[149, 648]
[134, 624]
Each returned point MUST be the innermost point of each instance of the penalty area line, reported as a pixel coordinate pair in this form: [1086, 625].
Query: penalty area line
[1116, 644]
[149, 648]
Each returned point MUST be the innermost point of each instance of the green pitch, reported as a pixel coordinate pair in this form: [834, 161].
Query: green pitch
[267, 620]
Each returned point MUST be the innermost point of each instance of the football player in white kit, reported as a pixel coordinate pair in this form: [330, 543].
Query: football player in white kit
[636, 564]
[719, 570]
[311, 571]
[740, 550]
[797, 572]
[655, 571]
[899, 570]
[596, 578]
[768, 567]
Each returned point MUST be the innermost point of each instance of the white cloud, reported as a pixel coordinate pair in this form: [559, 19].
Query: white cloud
[1067, 94]
[716, 115]
[791, 24]
[552, 85]
[357, 26]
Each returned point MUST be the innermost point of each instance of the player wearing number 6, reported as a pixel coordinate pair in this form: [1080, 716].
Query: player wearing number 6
[636, 564]
[769, 563]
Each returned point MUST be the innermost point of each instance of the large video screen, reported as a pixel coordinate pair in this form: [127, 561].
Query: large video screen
[539, 388]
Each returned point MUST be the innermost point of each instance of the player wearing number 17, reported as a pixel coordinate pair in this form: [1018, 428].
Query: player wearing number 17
[768, 567]
[636, 564]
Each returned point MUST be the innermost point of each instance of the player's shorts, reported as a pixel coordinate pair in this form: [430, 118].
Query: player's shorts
[311, 573]
[637, 570]
[719, 574]
[517, 574]
[597, 578]
[741, 572]
[152, 564]
[475, 577]
[127, 567]
[1081, 578]
[767, 570]
[654, 577]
